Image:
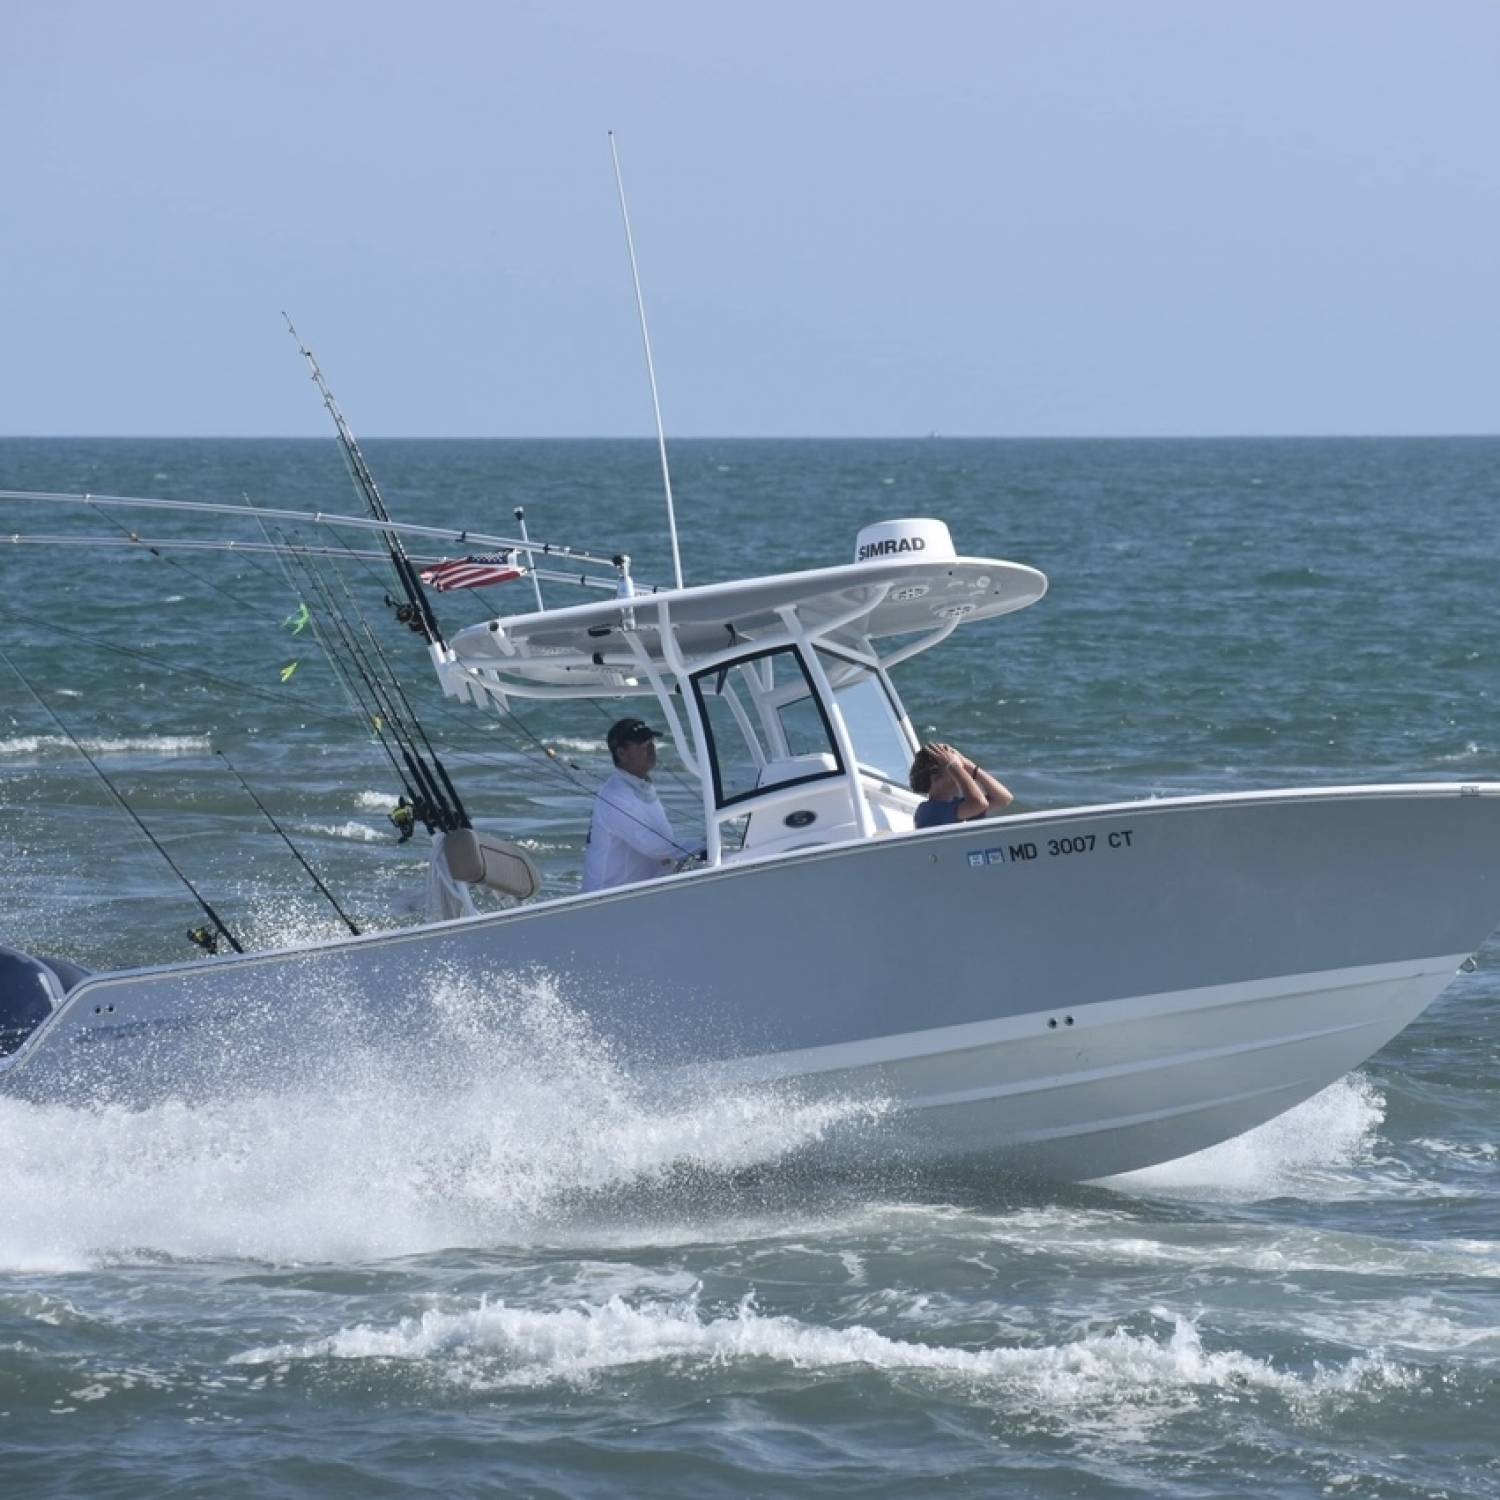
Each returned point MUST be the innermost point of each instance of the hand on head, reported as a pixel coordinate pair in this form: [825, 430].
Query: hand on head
[945, 755]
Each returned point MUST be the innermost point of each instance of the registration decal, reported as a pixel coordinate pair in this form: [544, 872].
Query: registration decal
[1067, 846]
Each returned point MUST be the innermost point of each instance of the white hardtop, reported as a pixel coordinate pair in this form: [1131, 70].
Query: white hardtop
[597, 647]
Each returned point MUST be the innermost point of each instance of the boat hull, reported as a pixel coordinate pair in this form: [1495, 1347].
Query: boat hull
[1135, 1081]
[1078, 993]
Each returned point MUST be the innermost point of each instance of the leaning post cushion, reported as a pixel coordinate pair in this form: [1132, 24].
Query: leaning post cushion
[481, 859]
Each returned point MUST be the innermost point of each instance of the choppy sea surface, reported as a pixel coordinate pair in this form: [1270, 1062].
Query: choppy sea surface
[541, 1279]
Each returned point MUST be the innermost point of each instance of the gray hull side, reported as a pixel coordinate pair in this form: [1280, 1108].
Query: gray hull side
[977, 922]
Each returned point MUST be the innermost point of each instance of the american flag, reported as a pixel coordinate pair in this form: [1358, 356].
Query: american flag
[472, 572]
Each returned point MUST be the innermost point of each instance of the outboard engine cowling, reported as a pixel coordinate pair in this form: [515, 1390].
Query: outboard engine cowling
[30, 990]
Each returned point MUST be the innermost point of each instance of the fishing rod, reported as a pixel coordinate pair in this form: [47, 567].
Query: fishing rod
[432, 756]
[348, 921]
[419, 612]
[208, 945]
[443, 807]
[448, 805]
[426, 803]
[450, 808]
[429, 803]
[364, 483]
[362, 715]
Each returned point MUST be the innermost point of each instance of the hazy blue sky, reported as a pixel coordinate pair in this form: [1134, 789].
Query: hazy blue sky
[872, 218]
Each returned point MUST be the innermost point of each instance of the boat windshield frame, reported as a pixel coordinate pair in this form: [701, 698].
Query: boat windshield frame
[698, 752]
[766, 698]
[899, 720]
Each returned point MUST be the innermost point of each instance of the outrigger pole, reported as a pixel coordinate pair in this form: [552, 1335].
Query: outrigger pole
[135, 817]
[450, 534]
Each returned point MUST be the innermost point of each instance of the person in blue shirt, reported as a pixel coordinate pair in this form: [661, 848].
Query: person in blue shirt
[955, 788]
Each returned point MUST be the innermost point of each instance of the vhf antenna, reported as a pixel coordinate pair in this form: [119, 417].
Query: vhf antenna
[640, 304]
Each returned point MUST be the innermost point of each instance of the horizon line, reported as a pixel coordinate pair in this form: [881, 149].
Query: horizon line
[804, 437]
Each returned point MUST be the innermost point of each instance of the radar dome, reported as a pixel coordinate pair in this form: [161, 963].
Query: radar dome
[916, 537]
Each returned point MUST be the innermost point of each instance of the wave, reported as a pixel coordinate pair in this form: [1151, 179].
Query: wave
[360, 832]
[165, 744]
[1303, 577]
[1098, 1380]
[1125, 1242]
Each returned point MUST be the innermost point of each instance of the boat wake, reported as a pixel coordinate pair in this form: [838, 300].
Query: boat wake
[1100, 1380]
[507, 1119]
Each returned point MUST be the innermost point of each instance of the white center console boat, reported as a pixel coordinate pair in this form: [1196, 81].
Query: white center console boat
[1125, 984]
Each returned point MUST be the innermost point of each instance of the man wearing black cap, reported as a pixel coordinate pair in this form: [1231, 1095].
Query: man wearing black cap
[630, 837]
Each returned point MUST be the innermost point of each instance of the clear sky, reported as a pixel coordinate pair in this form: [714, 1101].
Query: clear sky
[873, 218]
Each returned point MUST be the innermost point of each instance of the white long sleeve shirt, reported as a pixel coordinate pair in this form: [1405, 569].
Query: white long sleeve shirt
[630, 837]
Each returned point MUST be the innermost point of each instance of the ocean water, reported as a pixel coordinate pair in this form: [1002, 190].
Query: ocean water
[543, 1279]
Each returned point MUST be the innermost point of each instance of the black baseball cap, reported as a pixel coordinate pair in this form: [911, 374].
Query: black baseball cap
[630, 732]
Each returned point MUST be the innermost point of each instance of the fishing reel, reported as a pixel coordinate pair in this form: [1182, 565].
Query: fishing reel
[404, 816]
[205, 938]
[406, 613]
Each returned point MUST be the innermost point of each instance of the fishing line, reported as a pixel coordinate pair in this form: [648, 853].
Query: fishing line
[340, 673]
[182, 567]
[348, 921]
[367, 715]
[114, 792]
[427, 804]
[437, 764]
[249, 689]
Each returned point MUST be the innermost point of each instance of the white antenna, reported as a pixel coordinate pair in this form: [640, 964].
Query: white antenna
[640, 303]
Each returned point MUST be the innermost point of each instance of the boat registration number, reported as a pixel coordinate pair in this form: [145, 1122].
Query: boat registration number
[1058, 848]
